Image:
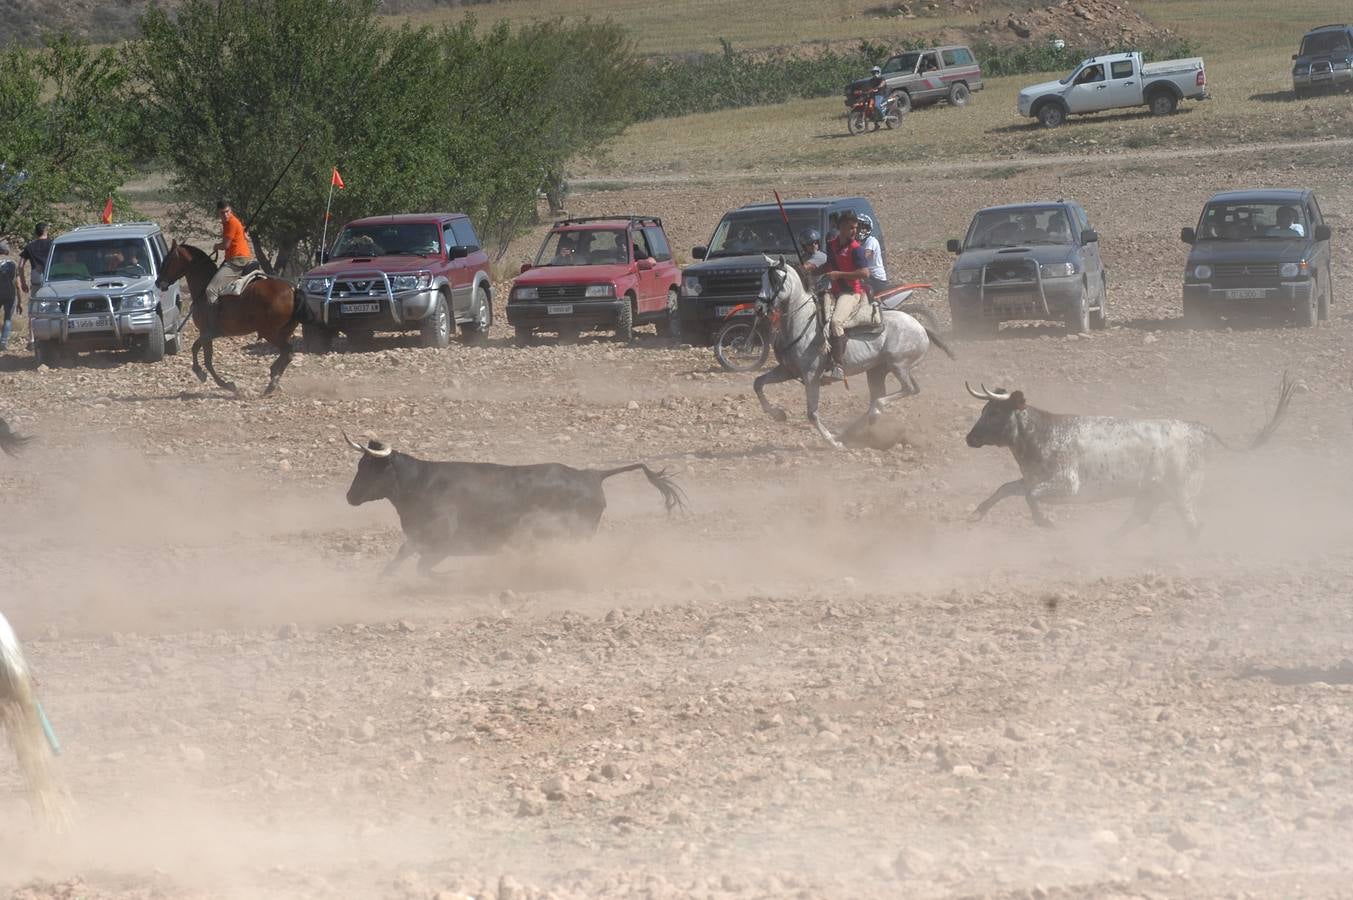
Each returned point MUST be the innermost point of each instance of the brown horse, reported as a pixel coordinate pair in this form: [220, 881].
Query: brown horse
[269, 306]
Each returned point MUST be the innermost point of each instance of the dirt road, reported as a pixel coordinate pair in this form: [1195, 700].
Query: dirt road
[821, 682]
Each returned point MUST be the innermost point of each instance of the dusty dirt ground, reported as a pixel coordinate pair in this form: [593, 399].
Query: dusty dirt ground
[822, 681]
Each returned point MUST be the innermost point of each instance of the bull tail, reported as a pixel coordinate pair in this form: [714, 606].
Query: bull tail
[10, 442]
[934, 339]
[673, 497]
[1285, 391]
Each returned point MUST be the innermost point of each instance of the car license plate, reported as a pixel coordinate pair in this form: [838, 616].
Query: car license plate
[90, 323]
[361, 307]
[559, 309]
[1245, 294]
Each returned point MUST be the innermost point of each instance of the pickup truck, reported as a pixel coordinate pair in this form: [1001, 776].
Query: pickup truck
[1115, 81]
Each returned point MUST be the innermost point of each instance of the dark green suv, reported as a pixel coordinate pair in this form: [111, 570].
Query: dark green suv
[1258, 251]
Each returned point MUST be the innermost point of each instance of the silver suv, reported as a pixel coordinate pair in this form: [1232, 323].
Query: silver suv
[99, 293]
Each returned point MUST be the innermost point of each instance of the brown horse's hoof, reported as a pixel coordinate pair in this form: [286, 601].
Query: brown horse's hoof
[201, 376]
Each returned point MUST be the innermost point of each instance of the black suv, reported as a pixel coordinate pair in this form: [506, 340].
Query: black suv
[734, 267]
[1258, 250]
[1325, 59]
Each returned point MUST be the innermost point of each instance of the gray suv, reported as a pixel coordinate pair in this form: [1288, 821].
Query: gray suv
[1028, 261]
[99, 293]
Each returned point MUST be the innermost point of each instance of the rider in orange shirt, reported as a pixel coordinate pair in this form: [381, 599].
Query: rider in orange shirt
[238, 255]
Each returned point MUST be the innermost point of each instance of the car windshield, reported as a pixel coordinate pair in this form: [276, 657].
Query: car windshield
[84, 260]
[584, 247]
[750, 233]
[1246, 221]
[1018, 227]
[1325, 42]
[904, 62]
[406, 239]
[1079, 66]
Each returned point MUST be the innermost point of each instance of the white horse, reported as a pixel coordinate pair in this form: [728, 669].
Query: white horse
[802, 355]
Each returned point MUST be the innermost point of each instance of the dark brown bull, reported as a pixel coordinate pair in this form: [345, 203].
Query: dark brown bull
[1076, 459]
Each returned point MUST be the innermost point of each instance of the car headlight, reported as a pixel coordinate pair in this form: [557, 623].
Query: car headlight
[1291, 270]
[318, 285]
[46, 308]
[526, 293]
[963, 276]
[1058, 270]
[691, 285]
[137, 301]
[1202, 273]
[421, 281]
[600, 290]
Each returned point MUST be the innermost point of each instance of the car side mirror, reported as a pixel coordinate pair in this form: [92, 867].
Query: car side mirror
[321, 257]
[699, 252]
[1296, 56]
[1187, 235]
[646, 263]
[954, 245]
[1322, 232]
[525, 267]
[1089, 236]
[457, 252]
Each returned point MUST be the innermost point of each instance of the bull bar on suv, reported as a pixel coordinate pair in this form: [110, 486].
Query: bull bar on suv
[364, 296]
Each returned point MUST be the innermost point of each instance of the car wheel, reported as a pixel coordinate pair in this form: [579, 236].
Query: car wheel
[436, 326]
[1078, 316]
[1099, 317]
[523, 335]
[478, 331]
[855, 122]
[316, 338]
[1308, 311]
[959, 94]
[1163, 104]
[670, 327]
[1197, 313]
[1327, 298]
[903, 101]
[1051, 115]
[624, 323]
[47, 353]
[153, 351]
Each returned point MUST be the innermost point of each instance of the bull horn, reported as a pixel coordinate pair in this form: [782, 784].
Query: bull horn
[377, 449]
[982, 396]
[997, 394]
[351, 443]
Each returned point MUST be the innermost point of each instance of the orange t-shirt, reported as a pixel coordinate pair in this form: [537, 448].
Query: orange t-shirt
[236, 244]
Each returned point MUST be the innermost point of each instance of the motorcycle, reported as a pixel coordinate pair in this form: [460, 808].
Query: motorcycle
[743, 344]
[865, 114]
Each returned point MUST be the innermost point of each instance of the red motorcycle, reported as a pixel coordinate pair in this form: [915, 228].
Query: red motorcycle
[865, 114]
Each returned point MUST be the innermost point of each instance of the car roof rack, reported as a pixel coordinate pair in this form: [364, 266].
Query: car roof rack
[111, 225]
[631, 217]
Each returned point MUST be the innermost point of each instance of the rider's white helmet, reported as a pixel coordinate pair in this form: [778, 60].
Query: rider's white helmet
[866, 224]
[876, 70]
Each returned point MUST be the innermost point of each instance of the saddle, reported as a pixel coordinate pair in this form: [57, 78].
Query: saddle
[252, 274]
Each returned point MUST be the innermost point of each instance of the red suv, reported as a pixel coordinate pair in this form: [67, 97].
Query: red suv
[608, 272]
[423, 272]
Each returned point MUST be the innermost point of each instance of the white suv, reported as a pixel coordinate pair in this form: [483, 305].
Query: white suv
[99, 293]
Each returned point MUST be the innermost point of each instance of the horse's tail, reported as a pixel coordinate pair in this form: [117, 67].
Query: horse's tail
[300, 311]
[934, 339]
[673, 497]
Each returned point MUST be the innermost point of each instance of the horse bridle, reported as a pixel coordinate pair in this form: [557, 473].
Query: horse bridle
[776, 293]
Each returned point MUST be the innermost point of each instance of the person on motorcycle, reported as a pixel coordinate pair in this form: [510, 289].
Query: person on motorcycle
[876, 86]
[810, 243]
[871, 256]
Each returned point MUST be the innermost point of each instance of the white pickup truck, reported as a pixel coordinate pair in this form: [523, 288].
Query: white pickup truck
[1115, 81]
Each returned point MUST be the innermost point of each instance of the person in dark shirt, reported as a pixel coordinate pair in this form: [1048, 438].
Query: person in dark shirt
[35, 255]
[9, 293]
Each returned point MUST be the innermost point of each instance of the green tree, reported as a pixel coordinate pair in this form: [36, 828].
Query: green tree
[65, 123]
[415, 119]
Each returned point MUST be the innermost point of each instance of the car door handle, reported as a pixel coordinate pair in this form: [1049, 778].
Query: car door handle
[1127, 82]
[1100, 87]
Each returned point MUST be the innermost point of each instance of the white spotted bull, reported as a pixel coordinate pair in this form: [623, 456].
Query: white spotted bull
[1078, 459]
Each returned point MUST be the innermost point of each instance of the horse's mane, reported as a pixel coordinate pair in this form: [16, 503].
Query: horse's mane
[197, 253]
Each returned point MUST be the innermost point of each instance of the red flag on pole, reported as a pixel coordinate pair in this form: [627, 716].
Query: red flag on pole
[337, 180]
[107, 217]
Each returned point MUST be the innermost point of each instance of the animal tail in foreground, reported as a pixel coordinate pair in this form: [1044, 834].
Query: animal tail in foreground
[934, 339]
[25, 724]
[1285, 390]
[10, 442]
[673, 497]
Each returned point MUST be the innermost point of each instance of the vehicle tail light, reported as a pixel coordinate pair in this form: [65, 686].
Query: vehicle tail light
[1201, 80]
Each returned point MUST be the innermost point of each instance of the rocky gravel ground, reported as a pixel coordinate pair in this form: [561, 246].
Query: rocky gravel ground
[820, 681]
